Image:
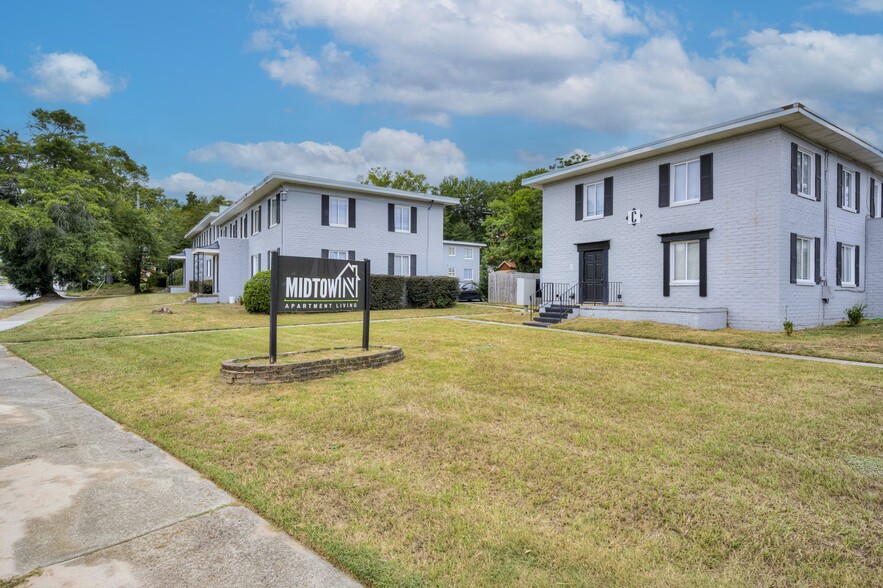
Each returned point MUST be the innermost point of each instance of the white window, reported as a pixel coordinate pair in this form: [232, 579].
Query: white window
[337, 255]
[685, 187]
[685, 262]
[271, 212]
[804, 174]
[255, 263]
[452, 272]
[255, 221]
[594, 197]
[805, 261]
[403, 219]
[338, 213]
[452, 252]
[402, 265]
[848, 190]
[467, 273]
[467, 253]
[847, 266]
[878, 199]
[209, 265]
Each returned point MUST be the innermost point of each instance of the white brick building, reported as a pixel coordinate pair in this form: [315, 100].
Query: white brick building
[399, 231]
[768, 218]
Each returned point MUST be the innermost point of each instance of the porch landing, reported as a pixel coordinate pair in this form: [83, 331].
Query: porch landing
[708, 319]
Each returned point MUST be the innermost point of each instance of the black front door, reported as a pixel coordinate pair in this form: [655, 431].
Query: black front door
[594, 276]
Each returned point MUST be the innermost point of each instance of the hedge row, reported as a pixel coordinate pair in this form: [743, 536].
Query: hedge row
[203, 287]
[387, 292]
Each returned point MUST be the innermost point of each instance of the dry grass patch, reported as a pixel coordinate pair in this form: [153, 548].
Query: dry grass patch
[496, 456]
[131, 315]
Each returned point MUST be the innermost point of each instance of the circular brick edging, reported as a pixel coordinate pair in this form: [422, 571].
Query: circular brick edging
[239, 371]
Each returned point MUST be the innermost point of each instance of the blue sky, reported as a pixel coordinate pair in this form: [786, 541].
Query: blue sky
[212, 96]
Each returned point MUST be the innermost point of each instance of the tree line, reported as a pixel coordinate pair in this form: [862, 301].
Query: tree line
[73, 210]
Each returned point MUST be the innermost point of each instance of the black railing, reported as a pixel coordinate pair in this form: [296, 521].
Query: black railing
[570, 295]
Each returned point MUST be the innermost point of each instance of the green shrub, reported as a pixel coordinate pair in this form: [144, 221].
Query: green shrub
[432, 291]
[855, 314]
[789, 327]
[203, 287]
[176, 278]
[256, 295]
[387, 292]
[160, 280]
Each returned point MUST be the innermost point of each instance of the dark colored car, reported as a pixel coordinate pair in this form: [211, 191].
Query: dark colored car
[469, 292]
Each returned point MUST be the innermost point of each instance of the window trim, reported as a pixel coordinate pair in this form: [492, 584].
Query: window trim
[471, 273]
[674, 184]
[452, 272]
[808, 195]
[271, 211]
[686, 282]
[255, 226]
[406, 217]
[255, 258]
[811, 280]
[397, 257]
[843, 265]
[597, 215]
[468, 253]
[338, 252]
[452, 251]
[877, 197]
[852, 194]
[331, 206]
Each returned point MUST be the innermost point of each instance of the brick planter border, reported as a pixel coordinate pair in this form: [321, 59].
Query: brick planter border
[240, 371]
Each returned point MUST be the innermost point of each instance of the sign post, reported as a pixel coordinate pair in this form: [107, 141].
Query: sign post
[274, 302]
[366, 314]
[316, 284]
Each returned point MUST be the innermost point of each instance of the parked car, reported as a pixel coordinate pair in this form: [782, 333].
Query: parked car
[469, 292]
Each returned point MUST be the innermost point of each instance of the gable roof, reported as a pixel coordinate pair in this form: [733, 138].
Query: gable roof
[276, 180]
[796, 118]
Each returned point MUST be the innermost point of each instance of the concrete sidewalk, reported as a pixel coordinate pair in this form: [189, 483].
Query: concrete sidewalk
[93, 505]
[30, 314]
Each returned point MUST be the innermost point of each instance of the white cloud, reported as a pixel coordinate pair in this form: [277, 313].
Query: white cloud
[70, 76]
[5, 74]
[180, 183]
[864, 6]
[394, 149]
[598, 64]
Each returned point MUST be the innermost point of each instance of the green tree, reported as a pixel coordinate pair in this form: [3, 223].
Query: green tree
[572, 159]
[465, 221]
[515, 230]
[401, 180]
[72, 209]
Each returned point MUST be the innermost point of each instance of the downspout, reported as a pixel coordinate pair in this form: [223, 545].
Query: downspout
[825, 240]
[431, 202]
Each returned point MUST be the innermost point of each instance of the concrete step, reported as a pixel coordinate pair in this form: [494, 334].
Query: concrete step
[541, 325]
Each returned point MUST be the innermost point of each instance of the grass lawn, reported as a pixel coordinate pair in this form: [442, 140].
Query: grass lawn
[495, 456]
[861, 343]
[131, 315]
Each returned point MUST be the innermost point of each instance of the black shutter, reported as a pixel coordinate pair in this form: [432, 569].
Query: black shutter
[260, 221]
[839, 261]
[793, 258]
[324, 254]
[839, 186]
[872, 205]
[413, 264]
[818, 261]
[391, 217]
[857, 251]
[278, 208]
[706, 177]
[578, 201]
[664, 188]
[666, 266]
[325, 210]
[392, 264]
[351, 255]
[858, 192]
[794, 168]
[818, 177]
[703, 267]
[413, 219]
[608, 196]
[351, 209]
[270, 205]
